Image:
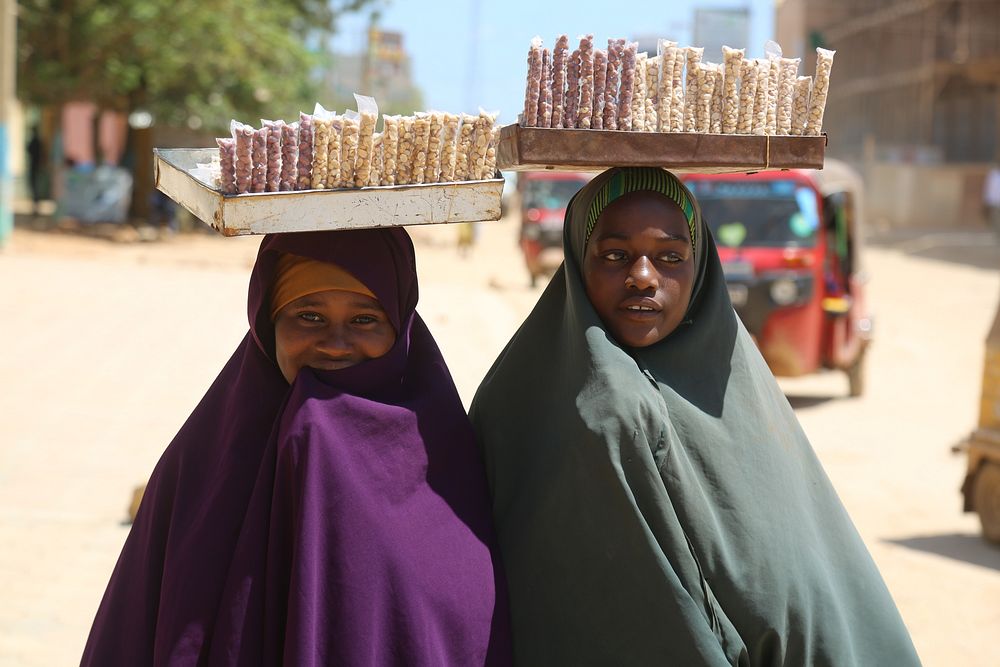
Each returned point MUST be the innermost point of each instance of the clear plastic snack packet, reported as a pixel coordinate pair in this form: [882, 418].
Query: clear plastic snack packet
[748, 90]
[800, 104]
[627, 91]
[668, 54]
[612, 82]
[560, 55]
[421, 137]
[351, 121]
[572, 99]
[692, 57]
[585, 110]
[490, 169]
[227, 165]
[545, 92]
[390, 148]
[773, 51]
[787, 72]
[704, 90]
[449, 146]
[333, 152]
[404, 152]
[432, 173]
[481, 143]
[258, 174]
[733, 66]
[289, 156]
[465, 136]
[368, 117]
[304, 164]
[762, 96]
[639, 93]
[717, 99]
[652, 101]
[677, 87]
[243, 168]
[375, 173]
[321, 148]
[273, 178]
[600, 81]
[821, 88]
[534, 83]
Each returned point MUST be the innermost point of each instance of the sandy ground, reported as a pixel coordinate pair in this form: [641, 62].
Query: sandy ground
[80, 425]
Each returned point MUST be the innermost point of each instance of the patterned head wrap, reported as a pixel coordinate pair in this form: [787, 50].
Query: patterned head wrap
[635, 179]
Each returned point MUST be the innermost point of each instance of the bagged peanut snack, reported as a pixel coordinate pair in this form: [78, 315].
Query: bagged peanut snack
[432, 172]
[404, 153]
[677, 87]
[704, 89]
[612, 82]
[243, 139]
[289, 156]
[368, 117]
[273, 178]
[600, 80]
[304, 165]
[334, 149]
[349, 146]
[449, 146]
[639, 93]
[668, 55]
[800, 104]
[733, 64]
[227, 165]
[692, 93]
[491, 154]
[258, 174]
[788, 70]
[321, 148]
[761, 97]
[481, 143]
[464, 149]
[652, 101]
[545, 92]
[375, 173]
[715, 126]
[560, 55]
[572, 99]
[585, 110]
[773, 52]
[421, 137]
[390, 148]
[627, 90]
[748, 90]
[534, 82]
[821, 87]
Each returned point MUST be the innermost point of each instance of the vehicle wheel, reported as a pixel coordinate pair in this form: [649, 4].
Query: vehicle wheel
[986, 500]
[856, 376]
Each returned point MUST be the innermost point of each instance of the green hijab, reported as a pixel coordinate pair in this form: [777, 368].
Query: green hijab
[662, 505]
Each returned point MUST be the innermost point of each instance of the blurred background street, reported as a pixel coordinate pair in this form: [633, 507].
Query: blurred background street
[118, 308]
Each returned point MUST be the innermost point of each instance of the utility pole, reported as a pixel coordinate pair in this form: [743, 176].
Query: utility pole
[8, 35]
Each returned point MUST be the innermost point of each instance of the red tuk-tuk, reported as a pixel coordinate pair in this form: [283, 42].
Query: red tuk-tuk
[790, 249]
[544, 196]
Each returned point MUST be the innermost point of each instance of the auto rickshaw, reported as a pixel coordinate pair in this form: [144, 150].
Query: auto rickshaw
[790, 249]
[544, 196]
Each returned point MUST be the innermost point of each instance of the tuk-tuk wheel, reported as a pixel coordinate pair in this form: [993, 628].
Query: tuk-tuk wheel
[856, 376]
[986, 500]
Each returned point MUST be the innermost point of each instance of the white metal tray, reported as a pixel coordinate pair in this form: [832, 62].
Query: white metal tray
[313, 210]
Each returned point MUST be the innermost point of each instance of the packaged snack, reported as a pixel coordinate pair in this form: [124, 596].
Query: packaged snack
[639, 93]
[748, 89]
[227, 165]
[490, 169]
[704, 88]
[788, 69]
[375, 173]
[821, 87]
[800, 104]
[612, 81]
[464, 149]
[432, 171]
[545, 91]
[421, 137]
[585, 111]
[390, 148]
[652, 93]
[289, 156]
[273, 178]
[600, 80]
[760, 100]
[534, 82]
[258, 175]
[243, 169]
[774, 63]
[627, 91]
[334, 149]
[715, 126]
[560, 54]
[368, 112]
[321, 148]
[572, 100]
[733, 64]
[481, 143]
[449, 146]
[677, 87]
[304, 170]
[668, 54]
[692, 92]
[404, 154]
[349, 146]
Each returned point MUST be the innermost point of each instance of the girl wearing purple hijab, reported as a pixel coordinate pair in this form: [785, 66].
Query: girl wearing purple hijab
[325, 503]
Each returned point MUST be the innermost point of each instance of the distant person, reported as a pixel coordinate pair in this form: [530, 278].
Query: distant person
[325, 503]
[991, 197]
[468, 233]
[36, 157]
[163, 212]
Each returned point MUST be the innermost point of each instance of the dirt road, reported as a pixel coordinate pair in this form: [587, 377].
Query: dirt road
[105, 348]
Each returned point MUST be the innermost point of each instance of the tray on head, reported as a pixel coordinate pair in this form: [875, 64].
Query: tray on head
[536, 148]
[314, 210]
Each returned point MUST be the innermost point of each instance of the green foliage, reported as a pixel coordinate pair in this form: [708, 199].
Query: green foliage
[214, 59]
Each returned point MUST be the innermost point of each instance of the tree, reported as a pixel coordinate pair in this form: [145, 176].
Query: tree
[212, 59]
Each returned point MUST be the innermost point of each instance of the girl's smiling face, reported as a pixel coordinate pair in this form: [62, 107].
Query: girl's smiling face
[638, 268]
[330, 330]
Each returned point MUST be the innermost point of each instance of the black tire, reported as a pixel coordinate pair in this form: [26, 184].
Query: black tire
[986, 500]
[856, 376]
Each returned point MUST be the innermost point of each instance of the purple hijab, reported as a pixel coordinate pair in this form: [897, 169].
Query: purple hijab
[344, 520]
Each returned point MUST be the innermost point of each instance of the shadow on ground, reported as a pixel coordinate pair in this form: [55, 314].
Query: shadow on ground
[976, 247]
[971, 549]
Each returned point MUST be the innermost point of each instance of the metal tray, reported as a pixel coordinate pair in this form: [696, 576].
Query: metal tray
[313, 210]
[535, 148]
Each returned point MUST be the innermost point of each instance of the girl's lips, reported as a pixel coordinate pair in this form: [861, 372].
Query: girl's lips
[640, 305]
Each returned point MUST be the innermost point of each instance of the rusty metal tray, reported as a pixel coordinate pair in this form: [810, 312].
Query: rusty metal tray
[312, 210]
[535, 148]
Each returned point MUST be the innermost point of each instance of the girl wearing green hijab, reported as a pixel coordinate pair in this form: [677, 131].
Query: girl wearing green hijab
[657, 501]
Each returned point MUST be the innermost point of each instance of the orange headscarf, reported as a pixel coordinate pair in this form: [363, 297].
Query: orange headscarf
[298, 276]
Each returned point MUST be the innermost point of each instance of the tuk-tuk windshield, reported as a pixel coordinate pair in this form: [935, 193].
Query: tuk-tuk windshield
[777, 214]
[550, 194]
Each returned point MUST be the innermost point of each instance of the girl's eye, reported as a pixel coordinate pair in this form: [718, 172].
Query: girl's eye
[671, 257]
[365, 319]
[311, 317]
[614, 255]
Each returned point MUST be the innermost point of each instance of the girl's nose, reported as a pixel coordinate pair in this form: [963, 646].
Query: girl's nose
[641, 275]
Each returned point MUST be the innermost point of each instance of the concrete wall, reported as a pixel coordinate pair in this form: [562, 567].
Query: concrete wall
[908, 195]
